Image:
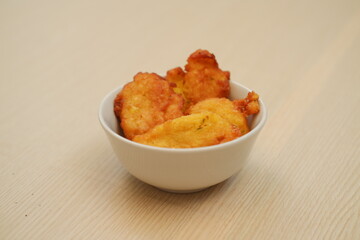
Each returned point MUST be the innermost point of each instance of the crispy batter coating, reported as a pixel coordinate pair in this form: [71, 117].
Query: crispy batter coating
[203, 78]
[249, 105]
[226, 109]
[189, 108]
[195, 130]
[176, 76]
[147, 101]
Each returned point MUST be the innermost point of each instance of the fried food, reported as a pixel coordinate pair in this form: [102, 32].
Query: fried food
[195, 130]
[226, 109]
[211, 121]
[176, 76]
[147, 101]
[186, 109]
[233, 111]
[249, 105]
[203, 78]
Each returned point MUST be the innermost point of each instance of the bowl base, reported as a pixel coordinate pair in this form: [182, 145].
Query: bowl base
[182, 191]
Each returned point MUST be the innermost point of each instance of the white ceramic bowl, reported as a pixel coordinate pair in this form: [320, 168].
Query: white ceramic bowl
[181, 170]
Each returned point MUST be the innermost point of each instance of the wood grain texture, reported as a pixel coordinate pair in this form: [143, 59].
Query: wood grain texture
[59, 178]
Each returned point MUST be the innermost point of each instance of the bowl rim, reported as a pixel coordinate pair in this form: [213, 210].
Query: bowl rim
[253, 131]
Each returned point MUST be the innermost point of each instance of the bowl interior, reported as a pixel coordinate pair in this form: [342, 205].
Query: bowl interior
[110, 122]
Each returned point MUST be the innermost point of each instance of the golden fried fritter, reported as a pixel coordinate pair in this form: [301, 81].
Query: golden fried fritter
[195, 130]
[176, 76]
[249, 105]
[203, 78]
[151, 109]
[226, 109]
[147, 101]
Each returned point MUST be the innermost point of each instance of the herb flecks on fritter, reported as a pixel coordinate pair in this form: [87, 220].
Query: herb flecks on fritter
[225, 109]
[195, 130]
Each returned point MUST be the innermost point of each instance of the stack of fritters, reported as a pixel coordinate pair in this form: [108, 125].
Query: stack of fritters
[186, 109]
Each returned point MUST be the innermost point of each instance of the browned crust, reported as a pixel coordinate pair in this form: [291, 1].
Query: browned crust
[202, 79]
[147, 101]
[249, 105]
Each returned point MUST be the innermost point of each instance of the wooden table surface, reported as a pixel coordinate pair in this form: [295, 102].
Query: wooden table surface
[59, 178]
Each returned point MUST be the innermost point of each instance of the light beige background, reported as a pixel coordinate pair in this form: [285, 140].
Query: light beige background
[59, 178]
